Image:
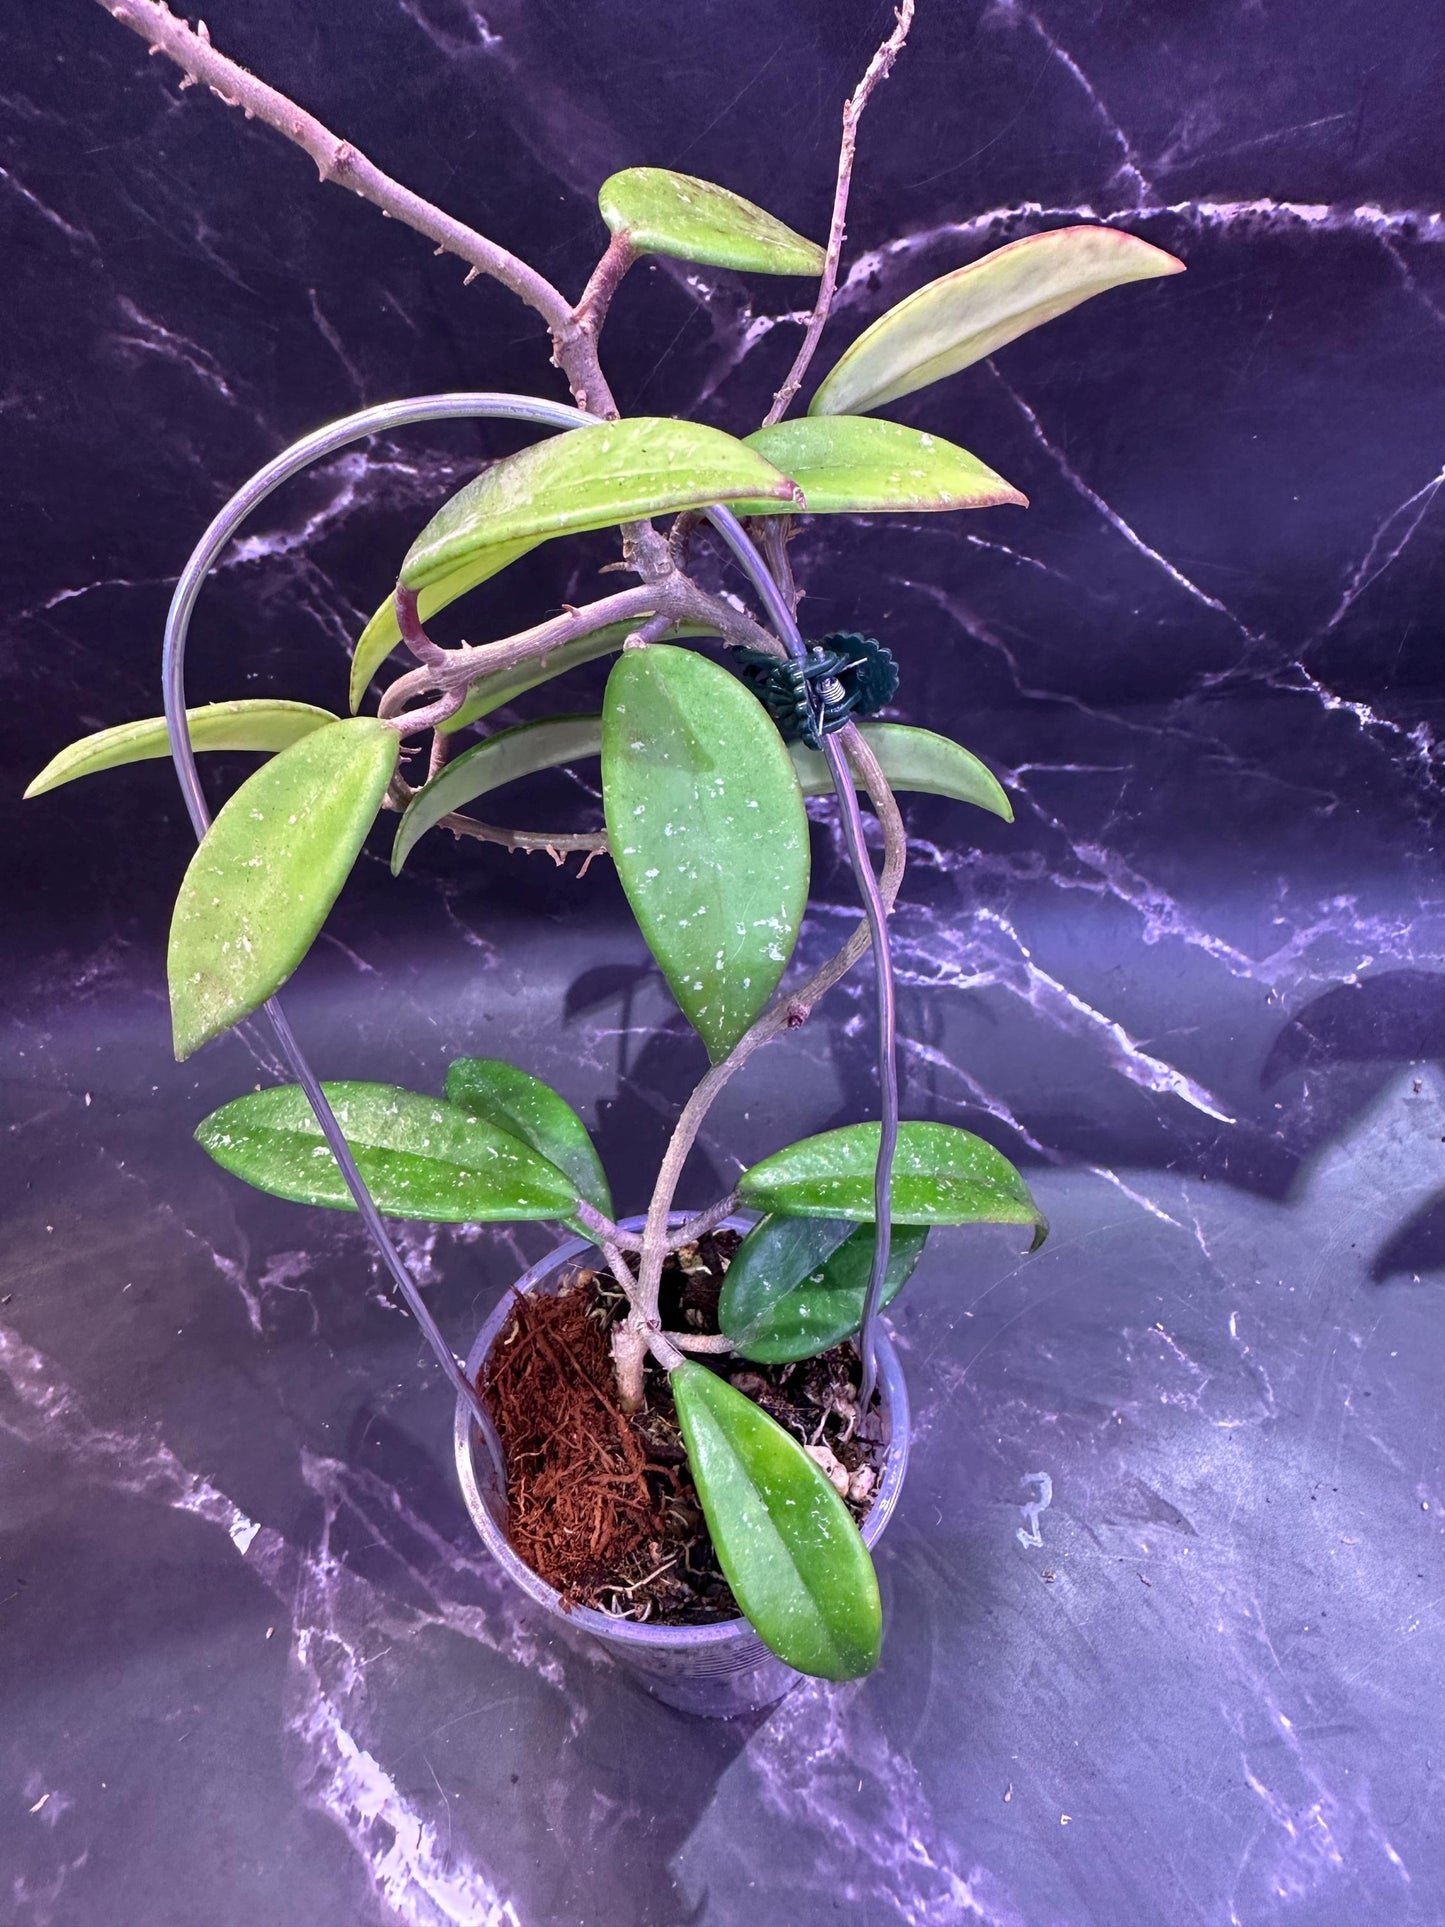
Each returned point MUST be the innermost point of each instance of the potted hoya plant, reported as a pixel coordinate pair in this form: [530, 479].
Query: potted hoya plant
[684, 1430]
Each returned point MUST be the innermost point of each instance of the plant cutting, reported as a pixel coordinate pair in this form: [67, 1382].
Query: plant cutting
[683, 1416]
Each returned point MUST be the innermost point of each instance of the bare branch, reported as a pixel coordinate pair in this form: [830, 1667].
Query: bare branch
[441, 749]
[591, 310]
[654, 606]
[460, 668]
[705, 1221]
[700, 1341]
[574, 347]
[408, 620]
[557, 844]
[879, 68]
[686, 1233]
[415, 722]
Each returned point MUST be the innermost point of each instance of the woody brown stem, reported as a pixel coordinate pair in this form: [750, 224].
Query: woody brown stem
[574, 346]
[591, 310]
[676, 599]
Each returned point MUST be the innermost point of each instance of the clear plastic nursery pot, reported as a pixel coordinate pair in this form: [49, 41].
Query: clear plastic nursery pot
[720, 1670]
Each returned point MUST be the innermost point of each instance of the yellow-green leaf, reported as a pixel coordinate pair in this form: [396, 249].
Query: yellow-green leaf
[666, 213]
[913, 759]
[706, 826]
[856, 465]
[502, 758]
[267, 872]
[794, 1558]
[383, 633]
[253, 724]
[590, 478]
[964, 316]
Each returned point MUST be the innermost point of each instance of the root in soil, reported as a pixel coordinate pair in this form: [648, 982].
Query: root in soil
[602, 1505]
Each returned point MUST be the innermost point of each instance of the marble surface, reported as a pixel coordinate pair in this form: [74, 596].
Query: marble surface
[254, 1664]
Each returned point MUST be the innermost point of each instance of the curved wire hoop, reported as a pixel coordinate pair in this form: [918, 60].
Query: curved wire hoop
[495, 407]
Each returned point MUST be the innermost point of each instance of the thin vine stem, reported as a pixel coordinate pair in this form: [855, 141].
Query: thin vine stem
[879, 68]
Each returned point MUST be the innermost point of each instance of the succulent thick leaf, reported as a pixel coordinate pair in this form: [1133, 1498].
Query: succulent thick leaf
[532, 1111]
[665, 213]
[854, 464]
[253, 724]
[421, 1157]
[794, 1558]
[493, 691]
[383, 633]
[590, 478]
[964, 316]
[941, 1175]
[268, 870]
[797, 1285]
[502, 758]
[913, 759]
[706, 826]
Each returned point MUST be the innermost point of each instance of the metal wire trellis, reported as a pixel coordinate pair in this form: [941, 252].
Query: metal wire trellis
[483, 406]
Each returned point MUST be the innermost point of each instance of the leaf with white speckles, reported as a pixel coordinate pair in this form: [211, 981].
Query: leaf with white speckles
[941, 1175]
[267, 872]
[707, 829]
[794, 1558]
[663, 212]
[968, 314]
[516, 1101]
[590, 478]
[421, 1157]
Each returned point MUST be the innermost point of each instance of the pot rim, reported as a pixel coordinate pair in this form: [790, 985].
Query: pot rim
[634, 1632]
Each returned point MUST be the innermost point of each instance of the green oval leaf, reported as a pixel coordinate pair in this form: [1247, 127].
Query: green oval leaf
[420, 1156]
[913, 759]
[964, 316]
[590, 478]
[941, 1175]
[794, 1558]
[854, 464]
[797, 1285]
[534, 1113]
[268, 870]
[666, 213]
[493, 691]
[383, 633]
[502, 758]
[254, 724]
[707, 829]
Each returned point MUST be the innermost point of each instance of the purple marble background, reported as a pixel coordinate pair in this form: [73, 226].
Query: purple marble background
[254, 1665]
